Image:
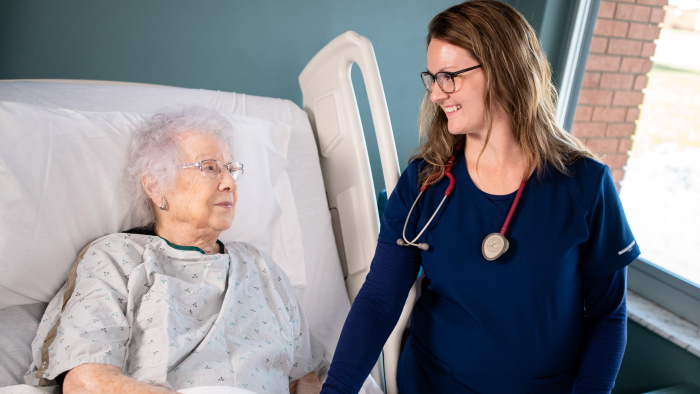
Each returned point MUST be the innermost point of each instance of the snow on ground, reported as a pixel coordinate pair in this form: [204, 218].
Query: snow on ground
[661, 197]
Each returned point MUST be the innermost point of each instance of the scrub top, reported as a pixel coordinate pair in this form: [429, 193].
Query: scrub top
[516, 322]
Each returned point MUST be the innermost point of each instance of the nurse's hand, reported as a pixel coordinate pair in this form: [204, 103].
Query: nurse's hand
[309, 384]
[107, 379]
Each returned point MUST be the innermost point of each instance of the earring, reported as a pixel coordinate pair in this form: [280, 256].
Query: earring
[163, 205]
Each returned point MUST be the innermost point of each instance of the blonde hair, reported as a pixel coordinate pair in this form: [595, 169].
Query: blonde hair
[518, 77]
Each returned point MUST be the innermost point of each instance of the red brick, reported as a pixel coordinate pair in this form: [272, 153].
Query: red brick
[617, 175]
[617, 81]
[625, 145]
[657, 15]
[609, 114]
[591, 79]
[616, 160]
[632, 12]
[583, 113]
[599, 45]
[648, 49]
[640, 82]
[607, 27]
[632, 114]
[596, 97]
[626, 1]
[635, 65]
[604, 145]
[606, 10]
[603, 63]
[643, 31]
[619, 46]
[588, 129]
[653, 2]
[629, 99]
[620, 129]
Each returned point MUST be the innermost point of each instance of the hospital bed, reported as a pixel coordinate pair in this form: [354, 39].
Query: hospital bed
[320, 224]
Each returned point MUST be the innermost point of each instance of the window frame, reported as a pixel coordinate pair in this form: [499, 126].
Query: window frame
[580, 38]
[665, 288]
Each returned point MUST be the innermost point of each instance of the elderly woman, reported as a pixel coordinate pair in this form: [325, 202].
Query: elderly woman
[168, 306]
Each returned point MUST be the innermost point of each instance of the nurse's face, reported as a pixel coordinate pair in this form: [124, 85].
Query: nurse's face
[200, 202]
[464, 107]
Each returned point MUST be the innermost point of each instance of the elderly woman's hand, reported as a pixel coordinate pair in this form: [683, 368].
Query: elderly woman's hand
[107, 379]
[309, 384]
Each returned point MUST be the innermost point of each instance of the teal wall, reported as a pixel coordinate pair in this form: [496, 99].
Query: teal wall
[651, 362]
[252, 47]
[260, 48]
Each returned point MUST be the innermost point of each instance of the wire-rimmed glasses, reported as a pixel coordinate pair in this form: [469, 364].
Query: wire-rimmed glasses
[212, 168]
[445, 80]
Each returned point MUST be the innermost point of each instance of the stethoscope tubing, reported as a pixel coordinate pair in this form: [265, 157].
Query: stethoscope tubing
[512, 208]
[412, 243]
[501, 244]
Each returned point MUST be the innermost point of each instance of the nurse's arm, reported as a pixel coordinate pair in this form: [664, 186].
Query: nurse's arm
[105, 379]
[372, 317]
[605, 332]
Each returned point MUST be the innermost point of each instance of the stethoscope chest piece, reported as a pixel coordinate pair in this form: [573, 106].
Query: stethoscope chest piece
[494, 246]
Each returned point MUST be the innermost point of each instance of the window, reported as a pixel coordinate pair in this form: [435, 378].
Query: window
[661, 187]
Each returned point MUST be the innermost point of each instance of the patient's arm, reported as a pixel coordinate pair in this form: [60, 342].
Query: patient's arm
[309, 384]
[103, 378]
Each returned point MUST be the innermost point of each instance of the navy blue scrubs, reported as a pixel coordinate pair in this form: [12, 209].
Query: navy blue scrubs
[514, 325]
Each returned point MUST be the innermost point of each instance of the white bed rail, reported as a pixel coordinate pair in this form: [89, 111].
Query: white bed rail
[329, 99]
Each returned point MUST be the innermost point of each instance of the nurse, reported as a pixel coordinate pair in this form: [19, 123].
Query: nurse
[546, 316]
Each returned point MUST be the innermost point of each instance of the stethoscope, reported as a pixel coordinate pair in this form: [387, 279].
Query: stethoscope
[494, 245]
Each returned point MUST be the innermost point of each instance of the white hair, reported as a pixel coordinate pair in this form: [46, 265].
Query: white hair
[154, 152]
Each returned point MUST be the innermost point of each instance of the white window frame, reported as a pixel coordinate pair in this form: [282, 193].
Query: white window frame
[665, 288]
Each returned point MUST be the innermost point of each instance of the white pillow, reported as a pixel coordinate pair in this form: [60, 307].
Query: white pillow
[61, 176]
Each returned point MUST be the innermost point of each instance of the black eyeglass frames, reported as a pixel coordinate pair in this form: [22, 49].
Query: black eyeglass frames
[445, 80]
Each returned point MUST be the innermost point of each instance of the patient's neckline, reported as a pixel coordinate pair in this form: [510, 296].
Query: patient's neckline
[149, 229]
[192, 248]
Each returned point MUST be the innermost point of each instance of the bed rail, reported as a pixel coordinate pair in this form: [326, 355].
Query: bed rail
[329, 99]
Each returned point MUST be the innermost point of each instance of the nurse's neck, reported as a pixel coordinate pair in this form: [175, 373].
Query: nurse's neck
[502, 165]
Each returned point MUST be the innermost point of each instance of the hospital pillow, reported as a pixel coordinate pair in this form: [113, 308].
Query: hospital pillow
[61, 175]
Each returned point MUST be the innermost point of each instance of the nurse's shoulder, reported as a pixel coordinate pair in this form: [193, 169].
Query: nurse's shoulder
[409, 177]
[585, 180]
[610, 244]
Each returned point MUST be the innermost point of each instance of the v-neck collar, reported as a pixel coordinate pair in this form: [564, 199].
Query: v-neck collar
[467, 184]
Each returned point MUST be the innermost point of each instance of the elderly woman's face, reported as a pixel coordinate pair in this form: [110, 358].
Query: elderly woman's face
[205, 203]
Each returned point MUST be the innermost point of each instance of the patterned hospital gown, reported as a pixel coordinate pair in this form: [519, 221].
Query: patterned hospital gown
[178, 318]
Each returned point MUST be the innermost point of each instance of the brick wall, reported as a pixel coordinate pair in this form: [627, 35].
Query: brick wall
[608, 105]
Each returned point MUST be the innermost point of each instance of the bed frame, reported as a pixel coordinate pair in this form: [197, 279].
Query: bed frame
[329, 100]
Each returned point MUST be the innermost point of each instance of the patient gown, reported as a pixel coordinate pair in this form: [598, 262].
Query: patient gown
[176, 317]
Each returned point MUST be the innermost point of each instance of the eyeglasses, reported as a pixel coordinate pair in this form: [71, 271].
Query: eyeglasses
[212, 168]
[445, 80]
